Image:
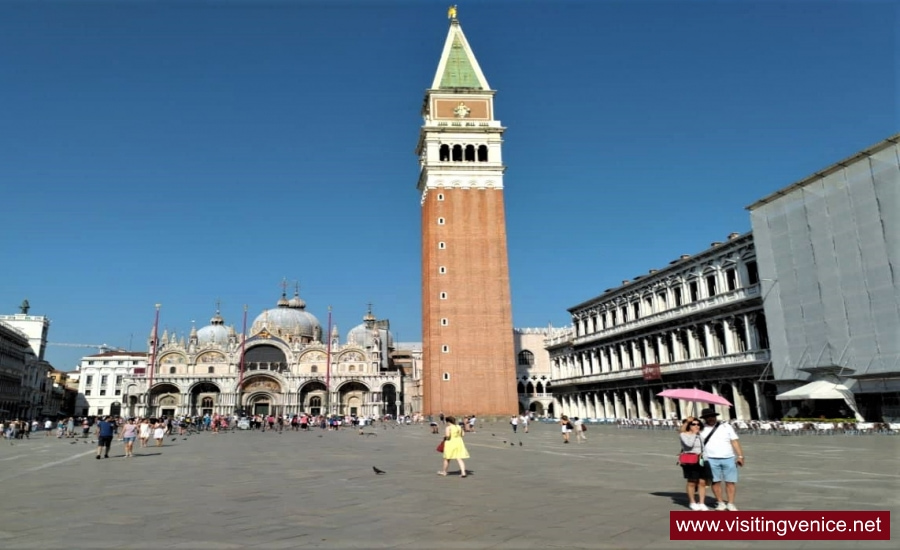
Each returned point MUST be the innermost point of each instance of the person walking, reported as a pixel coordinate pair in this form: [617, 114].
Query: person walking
[566, 427]
[105, 432]
[454, 447]
[578, 424]
[129, 434]
[723, 452]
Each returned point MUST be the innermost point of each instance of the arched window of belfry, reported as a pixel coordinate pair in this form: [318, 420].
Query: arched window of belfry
[470, 153]
[444, 153]
[482, 153]
[457, 153]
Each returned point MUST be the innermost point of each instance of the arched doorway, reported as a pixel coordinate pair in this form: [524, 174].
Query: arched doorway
[205, 399]
[353, 397]
[265, 357]
[261, 395]
[164, 400]
[537, 408]
[390, 400]
[313, 397]
[115, 409]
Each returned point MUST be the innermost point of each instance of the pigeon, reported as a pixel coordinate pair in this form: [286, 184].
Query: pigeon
[320, 435]
[73, 443]
[504, 442]
[511, 444]
[184, 439]
[174, 438]
[492, 435]
[377, 471]
[520, 443]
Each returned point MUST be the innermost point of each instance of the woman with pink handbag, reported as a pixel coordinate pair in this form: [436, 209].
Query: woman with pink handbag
[696, 472]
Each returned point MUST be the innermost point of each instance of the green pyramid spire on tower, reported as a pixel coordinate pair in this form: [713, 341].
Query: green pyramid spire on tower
[459, 73]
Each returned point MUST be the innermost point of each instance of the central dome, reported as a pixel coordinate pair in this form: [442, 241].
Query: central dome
[289, 318]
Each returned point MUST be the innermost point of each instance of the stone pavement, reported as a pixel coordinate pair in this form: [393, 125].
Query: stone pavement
[318, 490]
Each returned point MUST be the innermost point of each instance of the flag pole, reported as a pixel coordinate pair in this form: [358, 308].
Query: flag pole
[153, 360]
[243, 343]
[328, 367]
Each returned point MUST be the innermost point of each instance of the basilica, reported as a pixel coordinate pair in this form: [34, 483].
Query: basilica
[282, 366]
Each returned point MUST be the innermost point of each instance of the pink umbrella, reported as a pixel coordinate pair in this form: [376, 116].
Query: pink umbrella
[695, 396]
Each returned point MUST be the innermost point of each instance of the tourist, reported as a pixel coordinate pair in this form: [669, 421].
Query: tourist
[105, 432]
[514, 422]
[578, 426]
[566, 428]
[129, 434]
[697, 473]
[159, 432]
[454, 447]
[144, 431]
[723, 452]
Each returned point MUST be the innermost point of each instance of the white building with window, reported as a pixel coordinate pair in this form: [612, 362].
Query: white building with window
[101, 381]
[533, 370]
[696, 323]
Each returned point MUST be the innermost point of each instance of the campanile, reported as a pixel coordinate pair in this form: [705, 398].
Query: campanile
[467, 333]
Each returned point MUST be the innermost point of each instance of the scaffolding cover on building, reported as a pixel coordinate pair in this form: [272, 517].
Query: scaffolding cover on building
[828, 251]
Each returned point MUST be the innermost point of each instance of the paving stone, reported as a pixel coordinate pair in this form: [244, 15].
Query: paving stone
[263, 490]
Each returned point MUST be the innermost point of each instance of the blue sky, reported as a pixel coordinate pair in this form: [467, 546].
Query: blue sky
[182, 153]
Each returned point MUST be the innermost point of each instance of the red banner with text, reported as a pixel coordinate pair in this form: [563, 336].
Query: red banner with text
[780, 525]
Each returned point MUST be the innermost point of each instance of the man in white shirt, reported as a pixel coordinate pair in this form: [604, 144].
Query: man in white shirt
[723, 453]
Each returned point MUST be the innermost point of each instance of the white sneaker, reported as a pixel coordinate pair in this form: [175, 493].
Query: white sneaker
[731, 507]
[702, 507]
[694, 506]
[721, 507]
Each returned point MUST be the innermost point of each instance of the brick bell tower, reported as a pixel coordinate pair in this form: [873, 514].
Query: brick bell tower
[468, 352]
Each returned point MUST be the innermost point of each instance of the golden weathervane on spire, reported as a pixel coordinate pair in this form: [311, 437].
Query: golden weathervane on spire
[451, 12]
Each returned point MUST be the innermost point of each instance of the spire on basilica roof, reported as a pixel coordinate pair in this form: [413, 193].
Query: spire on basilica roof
[458, 68]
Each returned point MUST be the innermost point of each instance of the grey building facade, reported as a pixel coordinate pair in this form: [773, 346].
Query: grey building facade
[828, 252]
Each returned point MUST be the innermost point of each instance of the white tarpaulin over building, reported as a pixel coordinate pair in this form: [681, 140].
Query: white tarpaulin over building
[822, 389]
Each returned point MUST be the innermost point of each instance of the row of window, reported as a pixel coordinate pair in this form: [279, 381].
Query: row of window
[119, 363]
[103, 392]
[104, 379]
[662, 301]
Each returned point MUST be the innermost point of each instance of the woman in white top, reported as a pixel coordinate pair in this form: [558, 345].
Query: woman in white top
[144, 432]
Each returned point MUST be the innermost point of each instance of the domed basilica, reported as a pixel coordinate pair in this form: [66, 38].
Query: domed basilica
[283, 367]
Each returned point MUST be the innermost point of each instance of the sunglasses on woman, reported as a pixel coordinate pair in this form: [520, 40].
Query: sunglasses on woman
[695, 423]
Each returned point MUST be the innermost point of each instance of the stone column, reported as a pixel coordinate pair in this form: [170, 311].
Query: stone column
[608, 410]
[617, 402]
[724, 412]
[641, 411]
[750, 328]
[654, 406]
[663, 354]
[728, 326]
[604, 361]
[668, 407]
[707, 337]
[629, 405]
[741, 406]
[762, 410]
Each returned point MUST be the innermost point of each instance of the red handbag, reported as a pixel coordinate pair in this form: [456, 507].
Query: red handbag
[440, 447]
[688, 458]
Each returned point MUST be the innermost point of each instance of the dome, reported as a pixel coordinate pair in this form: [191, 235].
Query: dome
[213, 334]
[296, 302]
[363, 335]
[286, 319]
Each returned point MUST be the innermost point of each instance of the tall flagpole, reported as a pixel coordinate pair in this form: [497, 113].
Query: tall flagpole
[153, 360]
[243, 342]
[328, 368]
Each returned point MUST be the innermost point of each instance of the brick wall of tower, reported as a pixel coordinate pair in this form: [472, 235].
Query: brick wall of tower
[478, 309]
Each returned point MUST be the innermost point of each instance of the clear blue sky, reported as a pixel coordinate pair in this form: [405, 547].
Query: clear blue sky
[183, 152]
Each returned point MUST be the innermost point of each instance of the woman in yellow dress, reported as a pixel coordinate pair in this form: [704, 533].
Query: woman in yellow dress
[454, 447]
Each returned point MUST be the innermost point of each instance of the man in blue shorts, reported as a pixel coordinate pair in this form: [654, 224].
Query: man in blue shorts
[106, 429]
[724, 455]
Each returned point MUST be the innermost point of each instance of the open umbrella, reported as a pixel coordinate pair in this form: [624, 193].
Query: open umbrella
[695, 396]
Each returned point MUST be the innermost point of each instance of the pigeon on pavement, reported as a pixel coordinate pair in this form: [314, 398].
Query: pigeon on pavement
[377, 471]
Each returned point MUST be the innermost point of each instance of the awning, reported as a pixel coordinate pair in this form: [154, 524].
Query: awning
[822, 389]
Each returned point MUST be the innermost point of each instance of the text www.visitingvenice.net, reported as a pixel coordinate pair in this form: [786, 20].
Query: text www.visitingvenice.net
[781, 525]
